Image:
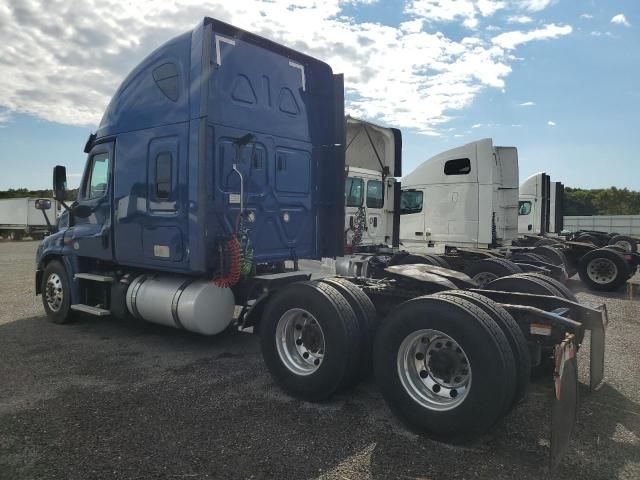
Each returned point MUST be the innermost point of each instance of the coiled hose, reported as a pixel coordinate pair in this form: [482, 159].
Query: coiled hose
[233, 257]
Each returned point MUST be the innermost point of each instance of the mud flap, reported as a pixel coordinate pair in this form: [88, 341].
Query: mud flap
[565, 401]
[596, 364]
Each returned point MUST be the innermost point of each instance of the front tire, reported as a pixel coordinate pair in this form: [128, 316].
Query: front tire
[56, 293]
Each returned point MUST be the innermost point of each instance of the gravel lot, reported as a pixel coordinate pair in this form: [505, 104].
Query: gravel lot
[105, 399]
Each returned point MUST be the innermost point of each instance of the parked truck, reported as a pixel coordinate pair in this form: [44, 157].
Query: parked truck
[22, 217]
[221, 159]
[603, 260]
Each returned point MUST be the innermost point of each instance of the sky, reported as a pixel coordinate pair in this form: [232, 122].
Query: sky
[558, 79]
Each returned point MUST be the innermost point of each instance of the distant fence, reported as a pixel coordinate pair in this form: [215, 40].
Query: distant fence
[624, 224]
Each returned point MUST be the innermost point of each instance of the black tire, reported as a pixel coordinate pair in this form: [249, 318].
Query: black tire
[55, 278]
[524, 283]
[603, 269]
[441, 262]
[340, 330]
[565, 292]
[545, 241]
[553, 255]
[512, 331]
[490, 361]
[366, 314]
[420, 259]
[629, 242]
[586, 238]
[525, 257]
[483, 271]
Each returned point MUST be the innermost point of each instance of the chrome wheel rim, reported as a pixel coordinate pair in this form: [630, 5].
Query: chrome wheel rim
[602, 271]
[434, 370]
[300, 341]
[54, 293]
[483, 278]
[624, 244]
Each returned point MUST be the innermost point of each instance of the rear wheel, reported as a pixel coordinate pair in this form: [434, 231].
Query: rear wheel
[365, 313]
[629, 244]
[310, 340]
[603, 269]
[545, 241]
[56, 293]
[555, 256]
[565, 292]
[511, 330]
[488, 269]
[439, 362]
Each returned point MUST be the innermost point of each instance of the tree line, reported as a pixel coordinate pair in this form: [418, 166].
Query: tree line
[24, 192]
[601, 201]
[577, 201]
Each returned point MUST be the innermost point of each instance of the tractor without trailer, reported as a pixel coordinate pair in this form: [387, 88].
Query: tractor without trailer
[456, 210]
[230, 162]
[604, 261]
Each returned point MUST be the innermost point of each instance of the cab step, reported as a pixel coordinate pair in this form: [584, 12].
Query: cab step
[93, 277]
[97, 311]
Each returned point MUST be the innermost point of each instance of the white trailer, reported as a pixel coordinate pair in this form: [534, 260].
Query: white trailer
[19, 217]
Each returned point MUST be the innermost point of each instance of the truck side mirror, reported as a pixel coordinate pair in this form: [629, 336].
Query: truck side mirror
[82, 211]
[59, 182]
[43, 204]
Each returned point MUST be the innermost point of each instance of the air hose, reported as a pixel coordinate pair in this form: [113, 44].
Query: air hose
[232, 256]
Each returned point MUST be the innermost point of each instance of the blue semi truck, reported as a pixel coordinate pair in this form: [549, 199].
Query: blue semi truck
[218, 164]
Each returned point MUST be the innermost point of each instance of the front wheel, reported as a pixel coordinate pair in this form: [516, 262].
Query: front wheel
[56, 293]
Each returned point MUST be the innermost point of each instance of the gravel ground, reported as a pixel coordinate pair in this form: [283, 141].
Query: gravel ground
[105, 399]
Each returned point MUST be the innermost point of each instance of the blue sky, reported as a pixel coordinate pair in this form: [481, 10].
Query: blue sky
[556, 78]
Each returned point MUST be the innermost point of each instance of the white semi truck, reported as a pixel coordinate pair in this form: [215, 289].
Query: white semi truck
[22, 217]
[603, 260]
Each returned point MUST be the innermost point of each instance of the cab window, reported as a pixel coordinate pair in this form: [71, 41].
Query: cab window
[411, 201]
[460, 166]
[98, 179]
[353, 191]
[524, 208]
[375, 194]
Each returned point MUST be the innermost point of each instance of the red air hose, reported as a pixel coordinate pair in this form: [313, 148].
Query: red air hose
[233, 274]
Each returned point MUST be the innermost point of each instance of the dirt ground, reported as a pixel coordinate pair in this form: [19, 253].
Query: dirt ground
[105, 399]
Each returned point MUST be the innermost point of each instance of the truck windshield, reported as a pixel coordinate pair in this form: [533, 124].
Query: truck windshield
[410, 201]
[524, 208]
[353, 191]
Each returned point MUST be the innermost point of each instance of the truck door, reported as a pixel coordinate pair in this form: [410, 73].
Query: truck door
[355, 216]
[376, 219]
[412, 216]
[93, 236]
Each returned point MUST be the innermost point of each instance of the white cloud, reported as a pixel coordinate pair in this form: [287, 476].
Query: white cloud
[551, 124]
[521, 19]
[516, 125]
[449, 10]
[5, 117]
[510, 40]
[62, 61]
[620, 19]
[586, 16]
[536, 5]
[527, 104]
[477, 125]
